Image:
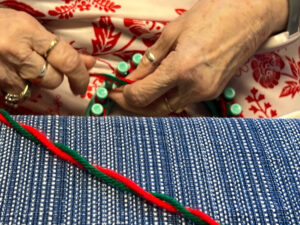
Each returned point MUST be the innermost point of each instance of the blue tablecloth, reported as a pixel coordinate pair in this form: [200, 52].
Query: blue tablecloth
[239, 171]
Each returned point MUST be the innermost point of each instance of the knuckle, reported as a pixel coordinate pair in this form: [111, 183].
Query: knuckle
[12, 53]
[71, 61]
[133, 97]
[21, 54]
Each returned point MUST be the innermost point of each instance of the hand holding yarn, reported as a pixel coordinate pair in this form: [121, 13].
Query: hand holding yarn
[31, 54]
[198, 53]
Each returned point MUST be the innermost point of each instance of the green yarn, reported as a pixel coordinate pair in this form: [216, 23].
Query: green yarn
[18, 127]
[212, 108]
[113, 78]
[179, 207]
[93, 170]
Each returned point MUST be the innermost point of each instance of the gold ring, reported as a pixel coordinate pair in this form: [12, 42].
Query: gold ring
[52, 45]
[14, 99]
[168, 105]
[41, 75]
[149, 55]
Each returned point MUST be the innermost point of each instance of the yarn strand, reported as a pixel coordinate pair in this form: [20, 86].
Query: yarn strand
[110, 177]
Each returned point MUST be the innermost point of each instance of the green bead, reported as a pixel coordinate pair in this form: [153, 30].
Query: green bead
[235, 109]
[97, 109]
[123, 68]
[229, 93]
[136, 58]
[101, 93]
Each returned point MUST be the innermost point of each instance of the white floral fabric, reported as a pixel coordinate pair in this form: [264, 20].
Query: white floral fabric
[267, 86]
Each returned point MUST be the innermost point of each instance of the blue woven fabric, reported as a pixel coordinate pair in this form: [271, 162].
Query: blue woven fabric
[239, 171]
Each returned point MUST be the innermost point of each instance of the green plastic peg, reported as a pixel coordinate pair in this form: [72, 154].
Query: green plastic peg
[101, 94]
[136, 58]
[229, 94]
[235, 109]
[123, 68]
[97, 109]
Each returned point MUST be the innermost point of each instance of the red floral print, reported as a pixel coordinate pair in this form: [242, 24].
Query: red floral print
[257, 107]
[107, 63]
[266, 69]
[57, 105]
[106, 37]
[148, 31]
[84, 6]
[35, 98]
[22, 7]
[292, 86]
[66, 11]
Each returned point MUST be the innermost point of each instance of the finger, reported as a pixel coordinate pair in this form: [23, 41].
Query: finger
[32, 66]
[89, 61]
[160, 50]
[65, 59]
[144, 92]
[35, 69]
[11, 82]
[157, 108]
[52, 79]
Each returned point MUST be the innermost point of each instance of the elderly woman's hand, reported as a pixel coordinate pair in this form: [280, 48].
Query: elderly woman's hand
[199, 52]
[23, 43]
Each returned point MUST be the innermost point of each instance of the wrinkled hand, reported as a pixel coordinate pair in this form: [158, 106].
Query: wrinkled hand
[23, 42]
[198, 54]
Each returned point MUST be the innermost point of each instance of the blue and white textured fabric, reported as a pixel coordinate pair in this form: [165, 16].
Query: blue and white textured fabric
[239, 171]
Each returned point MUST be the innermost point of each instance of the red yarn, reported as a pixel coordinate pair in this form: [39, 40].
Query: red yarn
[223, 106]
[203, 216]
[126, 80]
[44, 140]
[3, 120]
[151, 198]
[129, 183]
[139, 190]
